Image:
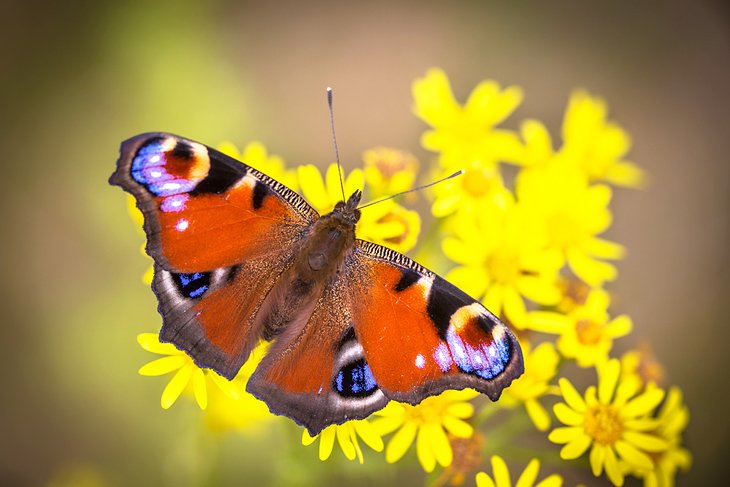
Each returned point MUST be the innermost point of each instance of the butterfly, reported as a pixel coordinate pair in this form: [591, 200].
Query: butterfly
[239, 257]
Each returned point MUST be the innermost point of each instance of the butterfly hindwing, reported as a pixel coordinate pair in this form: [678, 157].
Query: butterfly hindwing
[220, 233]
[317, 374]
[421, 335]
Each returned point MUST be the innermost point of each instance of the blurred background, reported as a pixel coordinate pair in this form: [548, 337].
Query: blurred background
[79, 77]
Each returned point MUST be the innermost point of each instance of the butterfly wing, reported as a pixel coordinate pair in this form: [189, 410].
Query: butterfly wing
[421, 335]
[316, 374]
[220, 233]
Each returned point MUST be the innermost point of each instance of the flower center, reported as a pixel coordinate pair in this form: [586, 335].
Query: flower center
[603, 424]
[478, 182]
[589, 332]
[503, 266]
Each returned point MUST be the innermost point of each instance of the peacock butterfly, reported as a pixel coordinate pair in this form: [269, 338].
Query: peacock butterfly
[240, 257]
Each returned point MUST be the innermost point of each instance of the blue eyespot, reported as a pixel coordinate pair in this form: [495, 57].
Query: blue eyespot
[355, 380]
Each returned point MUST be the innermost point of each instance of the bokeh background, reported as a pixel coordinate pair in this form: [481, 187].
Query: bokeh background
[78, 77]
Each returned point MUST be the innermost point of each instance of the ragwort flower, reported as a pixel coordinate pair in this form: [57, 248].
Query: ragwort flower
[389, 171]
[586, 332]
[612, 421]
[427, 424]
[541, 365]
[466, 134]
[347, 436]
[502, 260]
[527, 477]
[477, 187]
[186, 373]
[595, 145]
[573, 213]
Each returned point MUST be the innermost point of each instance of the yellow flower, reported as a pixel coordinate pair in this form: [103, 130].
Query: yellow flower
[611, 419]
[540, 367]
[256, 156]
[242, 412]
[465, 134]
[347, 436]
[595, 145]
[389, 171]
[527, 477]
[427, 423]
[188, 374]
[385, 223]
[672, 419]
[573, 214]
[502, 260]
[586, 332]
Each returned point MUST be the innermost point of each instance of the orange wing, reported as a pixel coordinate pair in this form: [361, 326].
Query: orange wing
[220, 233]
[421, 335]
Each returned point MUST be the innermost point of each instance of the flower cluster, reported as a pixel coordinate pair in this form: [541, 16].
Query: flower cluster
[529, 243]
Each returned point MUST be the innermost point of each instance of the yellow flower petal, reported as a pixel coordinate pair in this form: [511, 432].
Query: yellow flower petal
[539, 416]
[484, 480]
[548, 322]
[645, 441]
[457, 427]
[400, 442]
[566, 415]
[461, 409]
[345, 441]
[608, 378]
[500, 471]
[307, 439]
[619, 326]
[424, 451]
[368, 434]
[439, 444]
[565, 434]
[642, 404]
[605, 249]
[597, 457]
[529, 475]
[590, 270]
[199, 388]
[175, 387]
[151, 343]
[327, 442]
[633, 456]
[163, 365]
[612, 468]
[575, 448]
[571, 396]
[554, 480]
[228, 387]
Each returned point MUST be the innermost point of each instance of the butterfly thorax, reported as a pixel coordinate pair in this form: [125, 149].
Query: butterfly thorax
[315, 266]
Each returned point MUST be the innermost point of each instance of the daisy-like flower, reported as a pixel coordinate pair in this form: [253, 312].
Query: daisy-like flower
[587, 332]
[502, 260]
[465, 134]
[573, 213]
[541, 365]
[527, 477]
[187, 374]
[256, 156]
[611, 420]
[386, 223]
[347, 435]
[389, 171]
[595, 145]
[673, 417]
[427, 424]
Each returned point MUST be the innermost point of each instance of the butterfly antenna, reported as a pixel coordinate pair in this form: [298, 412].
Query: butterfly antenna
[334, 139]
[419, 188]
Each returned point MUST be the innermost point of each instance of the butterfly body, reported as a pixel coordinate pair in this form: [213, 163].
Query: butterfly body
[239, 258]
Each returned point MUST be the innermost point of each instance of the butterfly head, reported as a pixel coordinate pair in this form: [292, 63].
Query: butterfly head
[347, 211]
